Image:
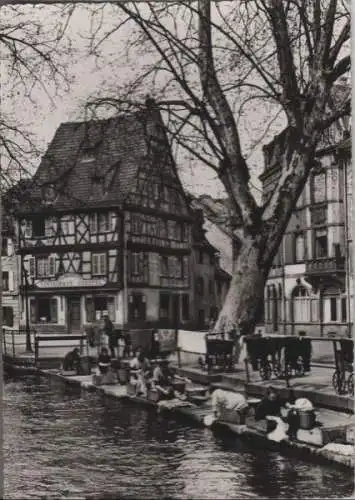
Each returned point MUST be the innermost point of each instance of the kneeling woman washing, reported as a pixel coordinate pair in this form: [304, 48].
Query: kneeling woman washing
[162, 380]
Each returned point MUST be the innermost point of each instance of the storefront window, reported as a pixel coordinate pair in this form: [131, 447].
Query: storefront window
[96, 307]
[44, 310]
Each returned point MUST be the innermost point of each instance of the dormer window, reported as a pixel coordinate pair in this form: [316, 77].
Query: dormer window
[48, 194]
[88, 155]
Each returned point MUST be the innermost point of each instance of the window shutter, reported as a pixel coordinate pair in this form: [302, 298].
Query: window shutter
[32, 272]
[11, 281]
[52, 263]
[102, 265]
[95, 264]
[54, 310]
[33, 311]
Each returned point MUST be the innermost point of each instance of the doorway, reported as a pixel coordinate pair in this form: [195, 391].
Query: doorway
[74, 314]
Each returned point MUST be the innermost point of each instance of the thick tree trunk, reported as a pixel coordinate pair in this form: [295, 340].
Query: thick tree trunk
[243, 303]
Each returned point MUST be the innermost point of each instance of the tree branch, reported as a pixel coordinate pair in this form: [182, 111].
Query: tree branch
[287, 69]
[234, 172]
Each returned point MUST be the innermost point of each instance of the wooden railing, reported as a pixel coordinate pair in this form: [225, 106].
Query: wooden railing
[11, 340]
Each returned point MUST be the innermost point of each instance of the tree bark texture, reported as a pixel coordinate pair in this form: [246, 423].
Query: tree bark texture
[243, 303]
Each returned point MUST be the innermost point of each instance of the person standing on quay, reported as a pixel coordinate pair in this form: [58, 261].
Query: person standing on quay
[109, 331]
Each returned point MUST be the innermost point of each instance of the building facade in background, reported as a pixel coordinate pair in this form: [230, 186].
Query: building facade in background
[11, 305]
[107, 229]
[310, 286]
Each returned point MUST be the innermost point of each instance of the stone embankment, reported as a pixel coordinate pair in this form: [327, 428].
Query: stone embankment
[339, 426]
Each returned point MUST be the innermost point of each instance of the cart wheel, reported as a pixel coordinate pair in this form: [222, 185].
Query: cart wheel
[338, 383]
[277, 370]
[350, 384]
[300, 369]
[265, 372]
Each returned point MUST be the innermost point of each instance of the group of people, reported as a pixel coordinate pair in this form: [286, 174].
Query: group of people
[117, 339]
[144, 376]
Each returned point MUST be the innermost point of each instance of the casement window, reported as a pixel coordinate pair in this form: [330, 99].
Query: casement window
[98, 264]
[164, 265]
[64, 227]
[7, 316]
[185, 313]
[4, 247]
[137, 307]
[44, 310]
[320, 243]
[163, 229]
[138, 264]
[48, 227]
[210, 287]
[93, 223]
[175, 267]
[200, 257]
[343, 307]
[97, 306]
[318, 187]
[135, 263]
[333, 309]
[164, 306]
[5, 281]
[301, 305]
[45, 267]
[100, 223]
[104, 222]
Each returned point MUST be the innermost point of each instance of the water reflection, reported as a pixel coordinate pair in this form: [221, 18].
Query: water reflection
[59, 442]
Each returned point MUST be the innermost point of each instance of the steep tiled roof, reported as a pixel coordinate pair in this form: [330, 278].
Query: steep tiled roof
[94, 163]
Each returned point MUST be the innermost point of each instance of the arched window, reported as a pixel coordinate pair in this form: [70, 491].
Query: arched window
[274, 308]
[301, 305]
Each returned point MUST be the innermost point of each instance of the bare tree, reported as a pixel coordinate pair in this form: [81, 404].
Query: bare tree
[210, 63]
[33, 54]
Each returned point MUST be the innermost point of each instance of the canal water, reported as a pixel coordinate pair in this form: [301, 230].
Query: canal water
[60, 443]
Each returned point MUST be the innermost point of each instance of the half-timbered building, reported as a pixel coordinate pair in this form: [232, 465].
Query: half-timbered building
[107, 229]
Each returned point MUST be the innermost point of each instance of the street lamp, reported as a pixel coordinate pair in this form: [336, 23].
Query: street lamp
[27, 312]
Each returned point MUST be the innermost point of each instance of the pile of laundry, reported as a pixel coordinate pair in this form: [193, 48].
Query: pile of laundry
[340, 449]
[171, 404]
